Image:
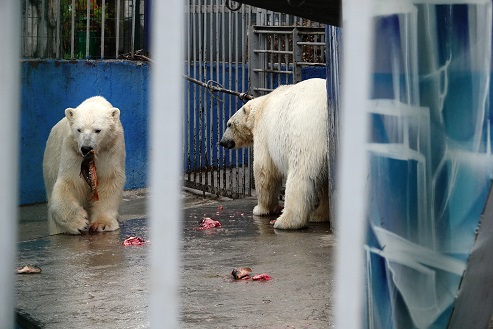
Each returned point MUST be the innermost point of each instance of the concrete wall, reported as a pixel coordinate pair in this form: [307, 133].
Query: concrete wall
[48, 87]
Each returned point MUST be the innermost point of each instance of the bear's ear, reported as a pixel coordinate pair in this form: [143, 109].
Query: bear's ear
[69, 114]
[247, 109]
[115, 113]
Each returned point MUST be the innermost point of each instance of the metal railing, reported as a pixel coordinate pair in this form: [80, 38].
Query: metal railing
[278, 53]
[217, 45]
[82, 29]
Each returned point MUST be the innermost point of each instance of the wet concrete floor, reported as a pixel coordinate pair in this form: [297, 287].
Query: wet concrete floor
[92, 281]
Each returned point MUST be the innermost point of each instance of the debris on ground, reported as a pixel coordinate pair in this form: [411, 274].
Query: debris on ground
[133, 241]
[220, 207]
[28, 269]
[241, 273]
[261, 277]
[207, 223]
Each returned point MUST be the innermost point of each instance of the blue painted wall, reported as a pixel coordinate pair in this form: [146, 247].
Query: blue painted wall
[49, 87]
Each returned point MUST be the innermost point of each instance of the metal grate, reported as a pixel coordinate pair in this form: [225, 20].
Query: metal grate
[215, 51]
[82, 29]
[218, 49]
[278, 53]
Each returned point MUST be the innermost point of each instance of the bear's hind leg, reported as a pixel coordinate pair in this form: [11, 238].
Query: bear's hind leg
[267, 186]
[298, 203]
[322, 213]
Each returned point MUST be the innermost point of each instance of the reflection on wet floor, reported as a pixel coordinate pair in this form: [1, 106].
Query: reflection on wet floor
[92, 280]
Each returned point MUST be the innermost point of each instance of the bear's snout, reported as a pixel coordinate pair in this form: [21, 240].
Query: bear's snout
[85, 149]
[227, 143]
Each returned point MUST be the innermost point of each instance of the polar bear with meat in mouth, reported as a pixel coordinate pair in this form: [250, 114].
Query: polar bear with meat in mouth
[93, 126]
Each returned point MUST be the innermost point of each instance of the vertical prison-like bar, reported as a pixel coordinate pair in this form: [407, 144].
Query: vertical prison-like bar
[165, 165]
[9, 130]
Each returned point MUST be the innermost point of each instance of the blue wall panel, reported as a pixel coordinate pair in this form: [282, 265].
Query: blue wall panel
[430, 167]
[49, 87]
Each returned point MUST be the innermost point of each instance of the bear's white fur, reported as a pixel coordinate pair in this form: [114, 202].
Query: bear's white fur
[288, 129]
[95, 124]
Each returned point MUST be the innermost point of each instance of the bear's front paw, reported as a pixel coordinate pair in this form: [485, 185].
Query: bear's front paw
[78, 223]
[104, 225]
[286, 222]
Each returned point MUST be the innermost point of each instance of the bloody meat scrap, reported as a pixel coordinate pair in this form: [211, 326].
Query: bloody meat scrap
[243, 273]
[207, 223]
[261, 277]
[133, 241]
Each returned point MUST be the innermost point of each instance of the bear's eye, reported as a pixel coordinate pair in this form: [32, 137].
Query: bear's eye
[229, 124]
[79, 130]
[97, 131]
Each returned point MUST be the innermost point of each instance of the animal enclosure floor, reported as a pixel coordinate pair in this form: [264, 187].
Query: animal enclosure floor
[92, 281]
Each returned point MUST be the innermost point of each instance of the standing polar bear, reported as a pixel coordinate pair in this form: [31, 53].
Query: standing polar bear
[288, 129]
[93, 125]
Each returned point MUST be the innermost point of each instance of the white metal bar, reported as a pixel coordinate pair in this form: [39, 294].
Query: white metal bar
[219, 104]
[242, 31]
[353, 165]
[231, 108]
[186, 130]
[245, 10]
[88, 21]
[201, 98]
[225, 111]
[41, 38]
[25, 28]
[207, 141]
[10, 28]
[72, 31]
[132, 41]
[58, 18]
[235, 100]
[196, 89]
[165, 162]
[117, 28]
[41, 35]
[103, 8]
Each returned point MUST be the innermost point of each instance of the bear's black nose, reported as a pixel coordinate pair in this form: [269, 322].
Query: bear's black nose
[85, 149]
[229, 144]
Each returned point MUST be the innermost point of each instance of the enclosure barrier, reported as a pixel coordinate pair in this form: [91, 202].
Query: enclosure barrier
[82, 29]
[219, 52]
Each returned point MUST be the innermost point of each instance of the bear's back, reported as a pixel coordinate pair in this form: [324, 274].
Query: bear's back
[295, 122]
